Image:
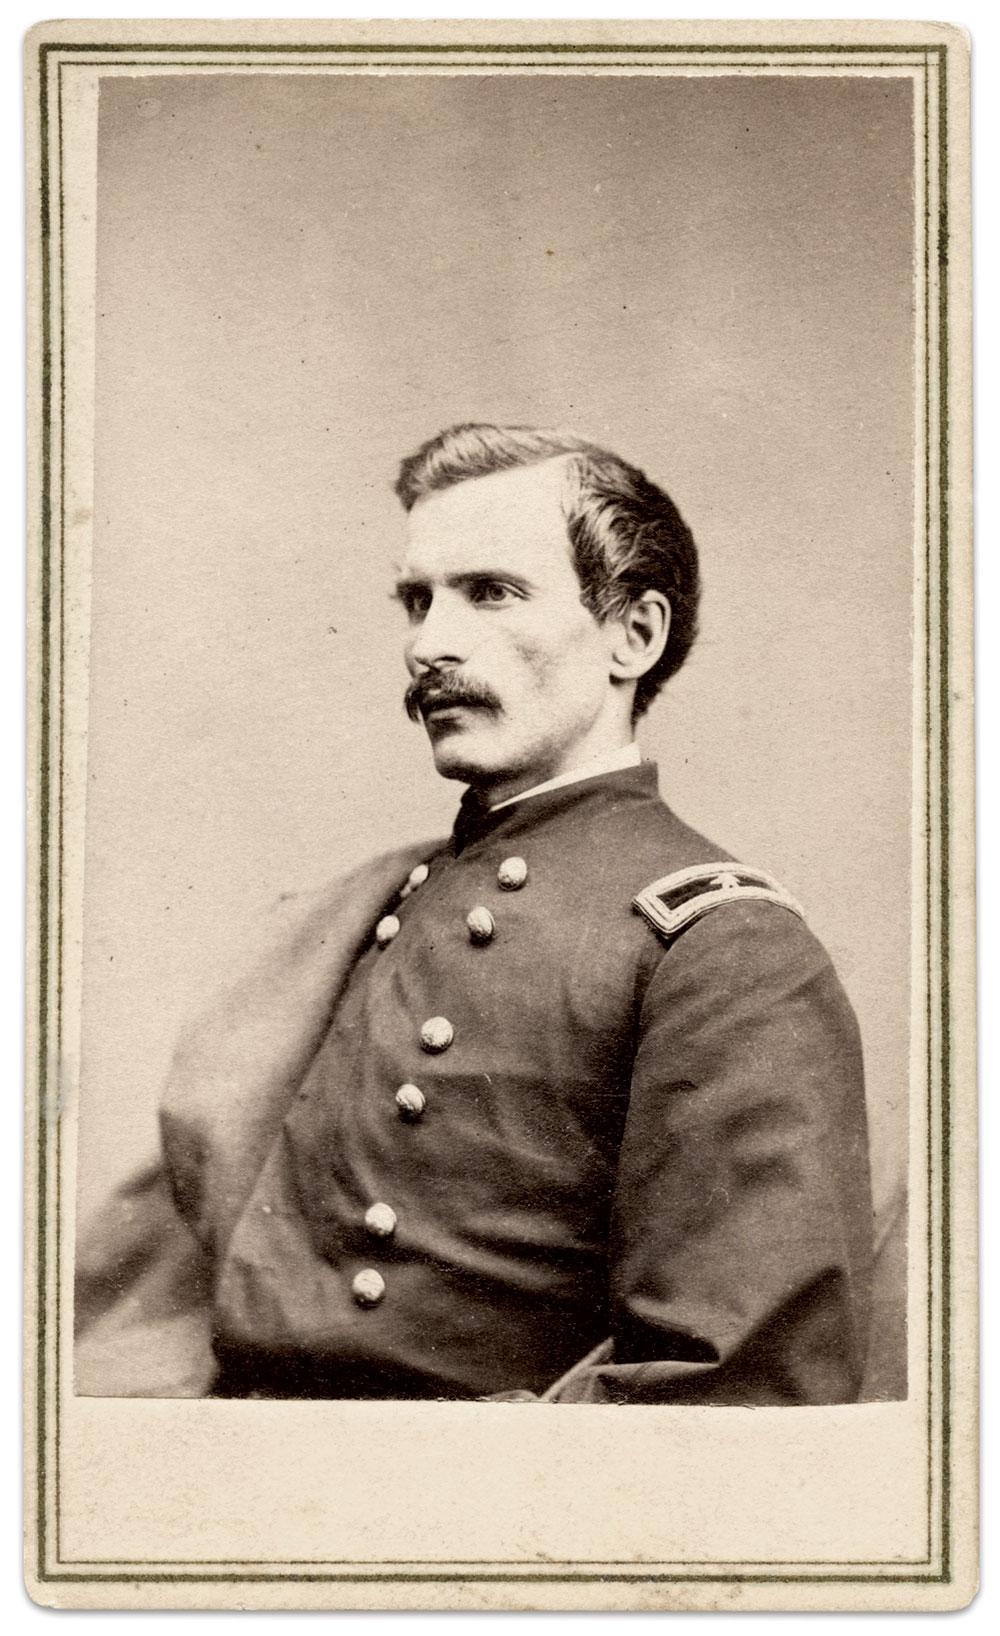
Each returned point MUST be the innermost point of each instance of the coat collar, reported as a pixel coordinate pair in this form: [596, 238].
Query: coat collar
[476, 821]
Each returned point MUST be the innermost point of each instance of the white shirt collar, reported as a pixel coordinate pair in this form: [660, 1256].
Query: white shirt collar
[628, 756]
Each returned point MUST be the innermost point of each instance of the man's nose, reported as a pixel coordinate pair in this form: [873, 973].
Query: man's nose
[443, 636]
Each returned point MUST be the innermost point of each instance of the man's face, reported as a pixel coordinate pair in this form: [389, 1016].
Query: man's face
[510, 671]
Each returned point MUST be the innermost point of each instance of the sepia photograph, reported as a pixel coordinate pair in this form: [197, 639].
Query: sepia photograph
[503, 907]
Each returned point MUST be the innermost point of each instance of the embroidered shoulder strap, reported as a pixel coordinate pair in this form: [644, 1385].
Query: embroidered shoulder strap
[675, 901]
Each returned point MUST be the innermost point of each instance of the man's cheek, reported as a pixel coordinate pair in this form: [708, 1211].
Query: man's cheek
[537, 663]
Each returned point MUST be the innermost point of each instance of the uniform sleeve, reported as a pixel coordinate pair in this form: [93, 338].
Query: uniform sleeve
[740, 1256]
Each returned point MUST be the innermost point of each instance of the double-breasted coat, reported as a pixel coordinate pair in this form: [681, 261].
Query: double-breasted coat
[475, 1125]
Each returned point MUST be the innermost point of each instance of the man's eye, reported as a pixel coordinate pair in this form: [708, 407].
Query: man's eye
[492, 591]
[416, 603]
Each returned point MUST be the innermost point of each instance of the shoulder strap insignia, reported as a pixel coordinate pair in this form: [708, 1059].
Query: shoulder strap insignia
[675, 901]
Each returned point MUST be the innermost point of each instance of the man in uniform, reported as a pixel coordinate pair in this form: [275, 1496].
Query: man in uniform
[568, 1106]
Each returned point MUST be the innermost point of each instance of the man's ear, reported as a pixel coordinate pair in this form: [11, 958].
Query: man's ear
[639, 636]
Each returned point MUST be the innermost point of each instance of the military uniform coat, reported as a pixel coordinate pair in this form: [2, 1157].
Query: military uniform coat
[551, 1151]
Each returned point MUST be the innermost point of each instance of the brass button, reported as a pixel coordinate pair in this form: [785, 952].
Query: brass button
[411, 1101]
[418, 875]
[480, 923]
[386, 930]
[368, 1287]
[512, 874]
[436, 1034]
[380, 1219]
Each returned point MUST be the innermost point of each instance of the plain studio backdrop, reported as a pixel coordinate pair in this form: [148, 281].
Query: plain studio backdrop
[300, 278]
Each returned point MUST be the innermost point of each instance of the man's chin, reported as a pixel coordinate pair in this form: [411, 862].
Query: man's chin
[452, 762]
[457, 755]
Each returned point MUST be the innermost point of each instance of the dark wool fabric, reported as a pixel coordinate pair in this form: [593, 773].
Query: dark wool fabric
[640, 1173]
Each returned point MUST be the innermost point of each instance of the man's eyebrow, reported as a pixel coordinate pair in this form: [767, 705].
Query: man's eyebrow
[403, 587]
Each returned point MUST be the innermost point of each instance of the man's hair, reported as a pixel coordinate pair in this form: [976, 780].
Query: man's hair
[627, 536]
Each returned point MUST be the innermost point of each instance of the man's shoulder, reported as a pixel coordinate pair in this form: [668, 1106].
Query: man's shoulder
[690, 893]
[631, 844]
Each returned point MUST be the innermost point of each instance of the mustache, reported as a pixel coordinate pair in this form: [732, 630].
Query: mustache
[432, 690]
